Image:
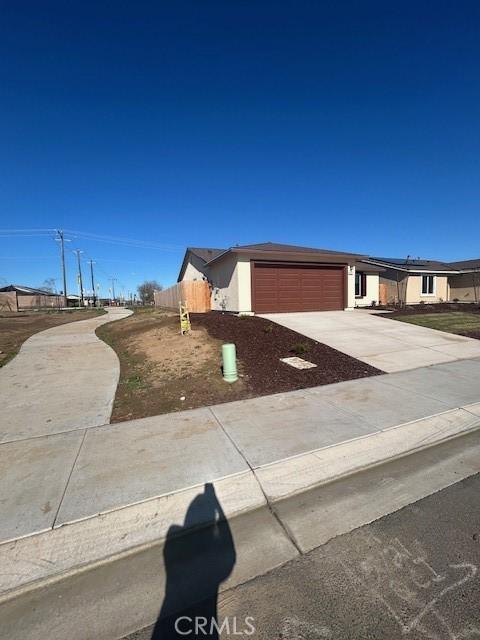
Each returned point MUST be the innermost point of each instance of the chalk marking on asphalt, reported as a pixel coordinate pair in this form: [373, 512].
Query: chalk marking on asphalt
[395, 571]
[295, 629]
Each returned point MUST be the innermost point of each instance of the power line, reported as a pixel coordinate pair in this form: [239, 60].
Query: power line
[20, 231]
[27, 235]
[128, 242]
[94, 237]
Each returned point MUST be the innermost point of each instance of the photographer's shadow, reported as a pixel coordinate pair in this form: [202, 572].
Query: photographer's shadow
[196, 563]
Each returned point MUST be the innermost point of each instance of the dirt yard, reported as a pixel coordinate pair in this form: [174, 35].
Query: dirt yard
[15, 328]
[162, 371]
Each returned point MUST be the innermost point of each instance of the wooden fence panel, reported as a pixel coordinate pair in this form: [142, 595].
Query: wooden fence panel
[196, 293]
[8, 301]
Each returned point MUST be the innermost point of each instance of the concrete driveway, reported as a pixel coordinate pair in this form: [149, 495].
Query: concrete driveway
[386, 344]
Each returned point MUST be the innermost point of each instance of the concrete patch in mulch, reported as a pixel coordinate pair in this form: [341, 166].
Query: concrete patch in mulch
[298, 363]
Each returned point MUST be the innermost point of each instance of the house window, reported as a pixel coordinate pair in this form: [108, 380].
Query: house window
[428, 285]
[360, 284]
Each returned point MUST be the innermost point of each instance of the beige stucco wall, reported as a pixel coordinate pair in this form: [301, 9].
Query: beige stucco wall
[372, 294]
[414, 290]
[465, 287]
[350, 287]
[195, 269]
[409, 288]
[230, 280]
[244, 276]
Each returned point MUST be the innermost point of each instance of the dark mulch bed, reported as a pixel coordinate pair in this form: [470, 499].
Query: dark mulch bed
[471, 334]
[440, 307]
[261, 343]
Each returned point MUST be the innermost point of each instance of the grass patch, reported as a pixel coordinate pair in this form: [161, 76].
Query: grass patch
[454, 322]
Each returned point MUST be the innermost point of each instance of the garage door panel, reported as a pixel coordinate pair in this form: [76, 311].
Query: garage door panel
[278, 288]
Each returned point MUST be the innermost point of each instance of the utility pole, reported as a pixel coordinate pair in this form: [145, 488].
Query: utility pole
[60, 237]
[113, 280]
[77, 252]
[91, 263]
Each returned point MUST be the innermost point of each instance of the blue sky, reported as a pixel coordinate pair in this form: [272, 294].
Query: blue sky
[349, 125]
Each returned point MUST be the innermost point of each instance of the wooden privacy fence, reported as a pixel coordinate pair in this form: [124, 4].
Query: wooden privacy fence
[11, 301]
[196, 293]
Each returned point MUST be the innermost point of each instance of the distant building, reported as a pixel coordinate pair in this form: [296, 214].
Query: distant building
[15, 297]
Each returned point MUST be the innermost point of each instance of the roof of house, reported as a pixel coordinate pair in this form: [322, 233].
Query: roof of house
[271, 248]
[409, 264]
[208, 255]
[205, 254]
[466, 264]
[288, 248]
[366, 267]
[26, 291]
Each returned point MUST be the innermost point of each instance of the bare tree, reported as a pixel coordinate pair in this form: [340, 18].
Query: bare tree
[146, 290]
[49, 285]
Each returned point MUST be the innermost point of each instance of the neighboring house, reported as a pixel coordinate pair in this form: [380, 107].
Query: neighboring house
[29, 298]
[270, 277]
[410, 281]
[465, 286]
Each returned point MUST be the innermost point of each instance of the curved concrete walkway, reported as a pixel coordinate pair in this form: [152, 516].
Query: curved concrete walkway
[62, 379]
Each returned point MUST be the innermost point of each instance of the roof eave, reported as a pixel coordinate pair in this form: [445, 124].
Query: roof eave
[325, 257]
[184, 264]
[397, 267]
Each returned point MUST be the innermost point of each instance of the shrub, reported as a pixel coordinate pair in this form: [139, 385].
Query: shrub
[299, 348]
[268, 328]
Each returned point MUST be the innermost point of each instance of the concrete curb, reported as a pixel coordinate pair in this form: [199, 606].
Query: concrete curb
[105, 535]
[79, 562]
[286, 478]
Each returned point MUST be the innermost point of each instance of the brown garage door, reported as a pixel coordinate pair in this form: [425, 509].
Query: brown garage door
[289, 287]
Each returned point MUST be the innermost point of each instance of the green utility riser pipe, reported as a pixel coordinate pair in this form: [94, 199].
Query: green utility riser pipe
[229, 357]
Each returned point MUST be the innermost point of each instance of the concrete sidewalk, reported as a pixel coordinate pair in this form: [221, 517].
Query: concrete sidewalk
[62, 379]
[88, 509]
[55, 479]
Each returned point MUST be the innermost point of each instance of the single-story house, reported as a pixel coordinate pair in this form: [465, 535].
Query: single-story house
[271, 277]
[409, 281]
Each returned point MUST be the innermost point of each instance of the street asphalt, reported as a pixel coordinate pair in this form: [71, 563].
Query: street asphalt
[412, 574]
